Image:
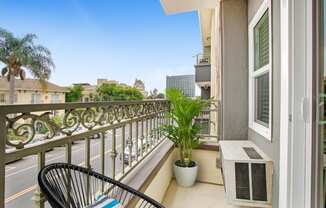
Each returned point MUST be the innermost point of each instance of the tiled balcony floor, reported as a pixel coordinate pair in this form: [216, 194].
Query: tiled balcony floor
[201, 195]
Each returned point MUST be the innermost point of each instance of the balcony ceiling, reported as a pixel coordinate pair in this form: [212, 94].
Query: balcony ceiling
[179, 6]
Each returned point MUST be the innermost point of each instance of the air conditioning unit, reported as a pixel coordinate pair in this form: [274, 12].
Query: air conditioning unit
[247, 173]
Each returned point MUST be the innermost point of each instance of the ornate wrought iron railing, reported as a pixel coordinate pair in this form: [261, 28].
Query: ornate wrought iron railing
[34, 129]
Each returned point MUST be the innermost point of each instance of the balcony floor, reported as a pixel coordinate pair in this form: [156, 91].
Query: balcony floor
[200, 195]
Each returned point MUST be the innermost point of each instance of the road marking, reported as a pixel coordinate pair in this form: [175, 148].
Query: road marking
[15, 196]
[49, 160]
[25, 191]
[98, 155]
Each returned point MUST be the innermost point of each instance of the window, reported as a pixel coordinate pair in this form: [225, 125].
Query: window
[2, 98]
[36, 98]
[55, 98]
[260, 71]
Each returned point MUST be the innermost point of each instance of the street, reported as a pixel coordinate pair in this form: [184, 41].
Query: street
[21, 176]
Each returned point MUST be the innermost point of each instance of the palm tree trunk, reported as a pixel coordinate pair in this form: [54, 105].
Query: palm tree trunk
[12, 89]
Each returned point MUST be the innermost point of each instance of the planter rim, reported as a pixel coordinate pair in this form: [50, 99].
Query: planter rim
[196, 164]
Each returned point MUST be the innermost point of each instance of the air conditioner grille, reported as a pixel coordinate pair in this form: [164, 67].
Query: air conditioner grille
[252, 153]
[258, 176]
[242, 181]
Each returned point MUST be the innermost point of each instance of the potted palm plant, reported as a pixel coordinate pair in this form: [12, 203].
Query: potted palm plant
[184, 132]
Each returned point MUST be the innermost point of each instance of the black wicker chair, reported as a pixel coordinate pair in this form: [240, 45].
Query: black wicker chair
[65, 185]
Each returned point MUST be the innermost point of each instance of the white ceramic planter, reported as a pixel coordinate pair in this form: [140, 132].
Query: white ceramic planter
[185, 176]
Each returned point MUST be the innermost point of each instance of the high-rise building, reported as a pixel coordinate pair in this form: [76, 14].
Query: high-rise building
[186, 83]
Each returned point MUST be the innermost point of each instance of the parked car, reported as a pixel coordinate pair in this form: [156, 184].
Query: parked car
[146, 144]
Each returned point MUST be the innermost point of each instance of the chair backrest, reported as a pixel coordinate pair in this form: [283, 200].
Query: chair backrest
[66, 185]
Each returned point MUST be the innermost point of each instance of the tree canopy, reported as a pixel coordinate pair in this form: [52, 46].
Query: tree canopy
[75, 93]
[108, 92]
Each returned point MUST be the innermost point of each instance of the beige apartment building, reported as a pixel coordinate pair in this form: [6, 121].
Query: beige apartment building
[30, 91]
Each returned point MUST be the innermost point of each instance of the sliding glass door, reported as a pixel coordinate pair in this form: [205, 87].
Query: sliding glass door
[320, 145]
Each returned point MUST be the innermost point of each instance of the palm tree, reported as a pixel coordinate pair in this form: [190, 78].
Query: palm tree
[21, 54]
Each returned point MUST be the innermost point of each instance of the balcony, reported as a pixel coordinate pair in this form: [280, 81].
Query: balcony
[117, 139]
[203, 71]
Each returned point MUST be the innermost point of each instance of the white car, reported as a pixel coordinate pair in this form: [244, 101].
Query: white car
[133, 152]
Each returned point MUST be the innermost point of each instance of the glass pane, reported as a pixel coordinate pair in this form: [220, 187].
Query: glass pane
[262, 99]
[322, 102]
[261, 38]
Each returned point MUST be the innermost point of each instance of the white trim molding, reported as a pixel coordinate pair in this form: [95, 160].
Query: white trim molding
[285, 117]
[263, 130]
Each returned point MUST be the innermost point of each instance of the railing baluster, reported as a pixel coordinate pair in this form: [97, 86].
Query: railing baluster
[142, 139]
[68, 160]
[156, 128]
[130, 145]
[3, 136]
[88, 165]
[136, 147]
[160, 125]
[88, 152]
[102, 153]
[68, 152]
[123, 142]
[113, 153]
[151, 131]
[39, 198]
[147, 140]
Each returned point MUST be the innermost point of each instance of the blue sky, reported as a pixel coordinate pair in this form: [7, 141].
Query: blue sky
[121, 39]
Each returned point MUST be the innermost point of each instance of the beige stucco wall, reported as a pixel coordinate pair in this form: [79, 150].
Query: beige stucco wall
[162, 180]
[25, 97]
[207, 173]
[253, 6]
[89, 93]
[215, 68]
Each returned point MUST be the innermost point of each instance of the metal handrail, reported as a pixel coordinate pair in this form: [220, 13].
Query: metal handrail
[202, 59]
[80, 121]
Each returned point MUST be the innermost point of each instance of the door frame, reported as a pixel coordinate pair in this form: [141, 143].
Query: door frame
[298, 107]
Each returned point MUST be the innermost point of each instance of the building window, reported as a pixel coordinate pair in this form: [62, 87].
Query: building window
[260, 71]
[36, 98]
[55, 98]
[2, 98]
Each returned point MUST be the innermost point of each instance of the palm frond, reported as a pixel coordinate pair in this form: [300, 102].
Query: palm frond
[21, 54]
[183, 132]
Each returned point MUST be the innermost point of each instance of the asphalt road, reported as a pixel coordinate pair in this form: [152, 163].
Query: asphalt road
[21, 176]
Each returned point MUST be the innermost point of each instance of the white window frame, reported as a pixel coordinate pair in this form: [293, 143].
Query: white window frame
[257, 127]
[36, 101]
[55, 98]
